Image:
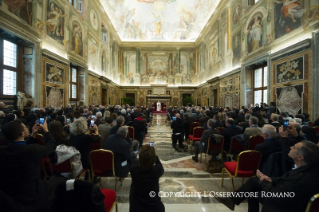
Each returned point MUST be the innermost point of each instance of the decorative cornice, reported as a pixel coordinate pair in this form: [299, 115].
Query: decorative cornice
[78, 60]
[50, 55]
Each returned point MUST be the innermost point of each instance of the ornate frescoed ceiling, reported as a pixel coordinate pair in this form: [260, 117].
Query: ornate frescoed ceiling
[159, 20]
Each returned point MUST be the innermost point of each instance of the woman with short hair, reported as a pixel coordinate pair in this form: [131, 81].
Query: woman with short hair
[80, 138]
[145, 181]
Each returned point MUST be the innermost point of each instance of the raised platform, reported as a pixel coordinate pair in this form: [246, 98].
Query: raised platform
[159, 112]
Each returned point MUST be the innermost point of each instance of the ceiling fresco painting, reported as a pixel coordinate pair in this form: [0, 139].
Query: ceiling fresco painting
[159, 20]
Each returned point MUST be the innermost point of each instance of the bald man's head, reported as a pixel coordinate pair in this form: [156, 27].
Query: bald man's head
[178, 115]
[296, 125]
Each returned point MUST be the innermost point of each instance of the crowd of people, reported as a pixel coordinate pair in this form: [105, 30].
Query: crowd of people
[77, 127]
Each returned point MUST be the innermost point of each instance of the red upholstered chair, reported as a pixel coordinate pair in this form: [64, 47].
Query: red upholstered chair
[236, 147]
[40, 139]
[164, 108]
[192, 126]
[95, 146]
[66, 167]
[246, 166]
[131, 132]
[197, 134]
[254, 140]
[102, 162]
[216, 149]
[313, 204]
[316, 129]
[221, 129]
[310, 124]
[109, 200]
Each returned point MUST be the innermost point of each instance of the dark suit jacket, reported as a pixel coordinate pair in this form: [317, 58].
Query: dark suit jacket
[20, 177]
[275, 124]
[98, 122]
[267, 148]
[144, 181]
[228, 133]
[113, 131]
[244, 125]
[206, 134]
[303, 181]
[122, 152]
[316, 123]
[81, 143]
[241, 119]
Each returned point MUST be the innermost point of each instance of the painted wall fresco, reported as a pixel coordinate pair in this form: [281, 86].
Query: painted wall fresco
[55, 21]
[165, 20]
[77, 42]
[158, 67]
[21, 8]
[236, 49]
[54, 96]
[288, 14]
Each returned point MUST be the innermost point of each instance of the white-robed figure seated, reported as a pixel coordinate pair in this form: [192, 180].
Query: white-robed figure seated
[159, 108]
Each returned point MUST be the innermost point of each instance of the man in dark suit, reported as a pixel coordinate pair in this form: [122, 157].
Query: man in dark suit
[19, 165]
[301, 183]
[120, 122]
[270, 145]
[241, 117]
[230, 131]
[123, 156]
[98, 120]
[245, 124]
[201, 146]
[216, 122]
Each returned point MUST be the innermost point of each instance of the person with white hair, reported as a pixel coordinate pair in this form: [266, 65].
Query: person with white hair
[270, 145]
[121, 149]
[98, 119]
[81, 136]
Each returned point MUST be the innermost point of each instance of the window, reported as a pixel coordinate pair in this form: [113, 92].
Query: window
[252, 2]
[77, 4]
[73, 89]
[8, 67]
[260, 85]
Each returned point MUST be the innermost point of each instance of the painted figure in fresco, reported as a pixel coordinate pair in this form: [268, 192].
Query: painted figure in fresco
[157, 23]
[159, 108]
[236, 14]
[21, 8]
[54, 21]
[291, 8]
[254, 35]
[77, 36]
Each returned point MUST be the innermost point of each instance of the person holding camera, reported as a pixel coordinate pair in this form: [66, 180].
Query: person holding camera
[144, 193]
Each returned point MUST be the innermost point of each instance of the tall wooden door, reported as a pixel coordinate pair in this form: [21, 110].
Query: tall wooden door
[104, 96]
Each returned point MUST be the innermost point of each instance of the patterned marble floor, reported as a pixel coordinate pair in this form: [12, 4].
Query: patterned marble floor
[182, 174]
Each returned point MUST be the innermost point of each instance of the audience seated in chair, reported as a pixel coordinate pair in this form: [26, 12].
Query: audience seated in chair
[201, 146]
[19, 178]
[254, 129]
[270, 145]
[230, 131]
[301, 182]
[81, 137]
[123, 156]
